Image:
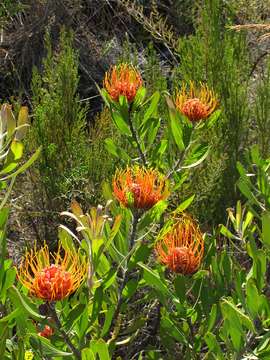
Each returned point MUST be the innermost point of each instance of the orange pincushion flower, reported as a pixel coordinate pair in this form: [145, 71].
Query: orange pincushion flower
[195, 104]
[124, 80]
[181, 248]
[52, 281]
[139, 188]
[46, 332]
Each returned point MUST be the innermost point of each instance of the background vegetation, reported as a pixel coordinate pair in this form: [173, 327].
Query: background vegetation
[53, 57]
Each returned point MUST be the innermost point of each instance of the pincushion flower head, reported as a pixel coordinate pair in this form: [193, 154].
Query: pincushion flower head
[47, 332]
[124, 80]
[181, 247]
[52, 277]
[196, 103]
[139, 188]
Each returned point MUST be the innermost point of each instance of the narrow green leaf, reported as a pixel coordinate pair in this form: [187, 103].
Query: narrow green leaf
[212, 318]
[213, 345]
[4, 335]
[88, 354]
[228, 307]
[74, 315]
[47, 347]
[25, 165]
[213, 118]
[266, 228]
[116, 150]
[101, 348]
[185, 204]
[17, 297]
[120, 123]
[152, 107]
[11, 315]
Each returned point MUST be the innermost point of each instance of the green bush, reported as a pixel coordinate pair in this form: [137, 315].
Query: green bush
[59, 125]
[219, 57]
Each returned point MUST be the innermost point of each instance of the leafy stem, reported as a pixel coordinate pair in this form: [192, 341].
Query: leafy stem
[135, 138]
[53, 313]
[126, 272]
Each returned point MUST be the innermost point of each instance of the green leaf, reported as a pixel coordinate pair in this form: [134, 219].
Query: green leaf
[108, 320]
[173, 330]
[198, 155]
[14, 155]
[130, 288]
[116, 150]
[10, 276]
[120, 123]
[74, 315]
[97, 303]
[253, 298]
[180, 287]
[213, 119]
[226, 232]
[212, 318]
[48, 349]
[25, 165]
[185, 204]
[228, 308]
[11, 315]
[266, 228]
[101, 348]
[18, 298]
[213, 345]
[177, 134]
[152, 107]
[88, 354]
[152, 278]
[141, 254]
[138, 100]
[4, 335]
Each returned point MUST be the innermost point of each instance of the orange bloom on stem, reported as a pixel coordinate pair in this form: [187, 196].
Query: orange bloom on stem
[124, 80]
[181, 248]
[52, 281]
[46, 332]
[195, 104]
[139, 188]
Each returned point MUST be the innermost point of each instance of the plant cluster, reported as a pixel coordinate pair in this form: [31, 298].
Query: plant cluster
[149, 274]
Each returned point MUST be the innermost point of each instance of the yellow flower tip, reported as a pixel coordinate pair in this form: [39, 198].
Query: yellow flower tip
[139, 188]
[181, 248]
[196, 103]
[28, 355]
[52, 277]
[123, 79]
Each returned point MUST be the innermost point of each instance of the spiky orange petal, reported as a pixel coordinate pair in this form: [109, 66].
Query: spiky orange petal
[181, 248]
[196, 103]
[139, 187]
[124, 80]
[52, 281]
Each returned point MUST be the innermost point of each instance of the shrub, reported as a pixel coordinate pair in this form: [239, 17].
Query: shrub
[59, 125]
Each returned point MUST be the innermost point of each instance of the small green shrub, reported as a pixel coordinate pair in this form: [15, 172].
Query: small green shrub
[59, 125]
[219, 57]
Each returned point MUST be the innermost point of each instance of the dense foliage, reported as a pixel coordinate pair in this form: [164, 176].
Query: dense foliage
[171, 137]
